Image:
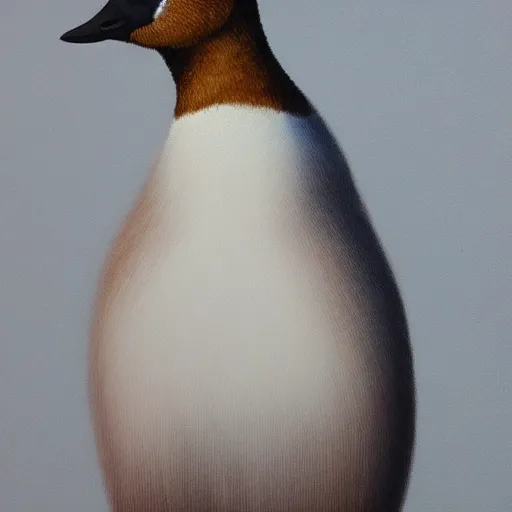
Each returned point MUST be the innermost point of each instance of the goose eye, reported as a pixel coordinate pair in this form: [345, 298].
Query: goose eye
[159, 9]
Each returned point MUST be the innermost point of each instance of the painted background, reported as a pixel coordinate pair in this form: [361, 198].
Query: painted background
[420, 96]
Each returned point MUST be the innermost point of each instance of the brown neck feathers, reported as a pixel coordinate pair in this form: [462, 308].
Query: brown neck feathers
[233, 66]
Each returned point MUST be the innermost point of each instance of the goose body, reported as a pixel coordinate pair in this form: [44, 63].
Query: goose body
[249, 348]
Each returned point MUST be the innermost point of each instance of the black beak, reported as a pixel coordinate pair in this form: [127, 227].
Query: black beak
[115, 21]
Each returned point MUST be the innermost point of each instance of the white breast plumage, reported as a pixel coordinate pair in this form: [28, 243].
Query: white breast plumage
[249, 341]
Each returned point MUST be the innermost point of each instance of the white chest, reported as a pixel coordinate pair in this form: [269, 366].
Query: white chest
[227, 303]
[226, 307]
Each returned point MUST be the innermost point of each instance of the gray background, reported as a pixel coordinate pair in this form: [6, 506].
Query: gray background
[419, 94]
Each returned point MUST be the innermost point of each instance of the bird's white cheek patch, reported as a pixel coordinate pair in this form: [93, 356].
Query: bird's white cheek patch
[160, 9]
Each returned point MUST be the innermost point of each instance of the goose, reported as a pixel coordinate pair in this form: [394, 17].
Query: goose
[249, 345]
